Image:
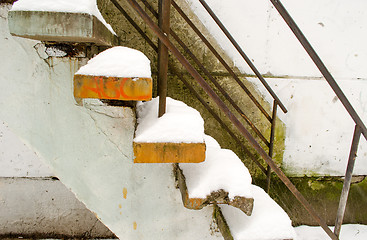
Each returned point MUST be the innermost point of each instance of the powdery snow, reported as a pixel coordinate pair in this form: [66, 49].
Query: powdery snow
[118, 62]
[222, 169]
[268, 220]
[348, 232]
[72, 6]
[180, 123]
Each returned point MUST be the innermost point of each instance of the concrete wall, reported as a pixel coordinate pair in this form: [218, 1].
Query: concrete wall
[33, 202]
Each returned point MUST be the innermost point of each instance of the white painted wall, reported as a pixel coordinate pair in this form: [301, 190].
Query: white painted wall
[32, 204]
[90, 148]
[318, 129]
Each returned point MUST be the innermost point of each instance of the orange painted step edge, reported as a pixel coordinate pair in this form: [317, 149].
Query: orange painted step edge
[169, 152]
[128, 89]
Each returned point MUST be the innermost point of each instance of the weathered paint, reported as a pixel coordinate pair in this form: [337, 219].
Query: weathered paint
[124, 193]
[169, 152]
[138, 89]
[135, 225]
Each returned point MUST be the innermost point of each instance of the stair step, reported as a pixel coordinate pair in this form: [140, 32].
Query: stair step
[176, 137]
[118, 73]
[267, 222]
[60, 27]
[221, 179]
[216, 197]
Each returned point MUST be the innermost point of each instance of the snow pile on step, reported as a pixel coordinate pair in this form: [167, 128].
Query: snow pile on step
[222, 169]
[71, 6]
[268, 220]
[118, 62]
[348, 231]
[180, 123]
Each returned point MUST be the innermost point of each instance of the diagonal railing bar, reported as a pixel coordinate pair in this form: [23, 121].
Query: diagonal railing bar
[208, 74]
[242, 53]
[320, 65]
[136, 26]
[220, 59]
[192, 90]
[230, 116]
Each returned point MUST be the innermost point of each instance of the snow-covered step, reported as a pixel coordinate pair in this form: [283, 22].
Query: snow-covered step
[221, 179]
[61, 21]
[176, 137]
[118, 73]
[267, 222]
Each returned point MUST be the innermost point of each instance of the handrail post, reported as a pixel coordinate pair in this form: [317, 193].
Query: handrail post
[164, 24]
[347, 180]
[271, 143]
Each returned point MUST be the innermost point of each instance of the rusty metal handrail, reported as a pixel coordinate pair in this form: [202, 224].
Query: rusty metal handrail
[191, 89]
[242, 53]
[229, 114]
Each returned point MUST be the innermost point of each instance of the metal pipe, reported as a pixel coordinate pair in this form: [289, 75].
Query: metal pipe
[164, 24]
[242, 53]
[320, 65]
[231, 116]
[347, 180]
[271, 145]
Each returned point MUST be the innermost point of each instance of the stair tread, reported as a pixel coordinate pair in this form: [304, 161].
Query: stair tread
[118, 73]
[176, 137]
[180, 123]
[268, 220]
[222, 178]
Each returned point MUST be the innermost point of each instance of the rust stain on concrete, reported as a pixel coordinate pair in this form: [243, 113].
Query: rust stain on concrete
[135, 225]
[124, 193]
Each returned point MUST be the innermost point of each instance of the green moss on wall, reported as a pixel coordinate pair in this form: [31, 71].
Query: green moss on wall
[323, 193]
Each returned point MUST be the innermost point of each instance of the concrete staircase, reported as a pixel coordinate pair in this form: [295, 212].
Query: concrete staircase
[202, 182]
